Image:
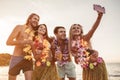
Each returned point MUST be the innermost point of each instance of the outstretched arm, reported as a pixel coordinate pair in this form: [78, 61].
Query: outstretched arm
[94, 27]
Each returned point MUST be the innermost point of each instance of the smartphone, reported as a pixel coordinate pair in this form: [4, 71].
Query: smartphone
[99, 8]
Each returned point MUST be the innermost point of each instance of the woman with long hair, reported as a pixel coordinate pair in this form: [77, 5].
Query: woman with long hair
[45, 68]
[78, 46]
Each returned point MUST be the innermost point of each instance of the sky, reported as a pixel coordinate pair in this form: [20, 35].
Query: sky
[65, 13]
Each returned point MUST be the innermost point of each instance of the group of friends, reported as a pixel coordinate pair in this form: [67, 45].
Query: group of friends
[41, 57]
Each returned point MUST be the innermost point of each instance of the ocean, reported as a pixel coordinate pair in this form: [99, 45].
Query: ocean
[112, 68]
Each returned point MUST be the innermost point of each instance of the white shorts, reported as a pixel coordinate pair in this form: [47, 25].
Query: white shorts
[67, 69]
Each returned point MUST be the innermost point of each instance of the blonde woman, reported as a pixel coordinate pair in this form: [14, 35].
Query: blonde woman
[78, 45]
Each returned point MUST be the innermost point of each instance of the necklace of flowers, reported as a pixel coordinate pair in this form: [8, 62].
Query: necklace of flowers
[44, 51]
[62, 56]
[28, 49]
[82, 54]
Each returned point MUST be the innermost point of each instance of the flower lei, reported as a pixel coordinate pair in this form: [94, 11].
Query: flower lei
[62, 56]
[82, 54]
[44, 51]
[28, 49]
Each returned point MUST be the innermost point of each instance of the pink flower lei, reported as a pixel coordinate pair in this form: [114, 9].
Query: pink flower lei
[79, 51]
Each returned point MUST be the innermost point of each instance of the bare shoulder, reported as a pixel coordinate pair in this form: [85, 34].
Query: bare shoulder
[85, 37]
[18, 28]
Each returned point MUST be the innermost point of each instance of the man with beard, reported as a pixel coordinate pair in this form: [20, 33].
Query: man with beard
[21, 37]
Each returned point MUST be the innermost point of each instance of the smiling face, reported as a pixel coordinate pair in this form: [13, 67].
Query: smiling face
[76, 30]
[61, 34]
[33, 20]
[42, 30]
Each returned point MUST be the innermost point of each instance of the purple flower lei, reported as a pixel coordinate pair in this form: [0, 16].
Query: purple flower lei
[65, 52]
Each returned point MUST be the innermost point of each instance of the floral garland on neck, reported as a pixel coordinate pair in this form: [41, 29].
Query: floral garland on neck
[28, 49]
[62, 56]
[44, 51]
[82, 55]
